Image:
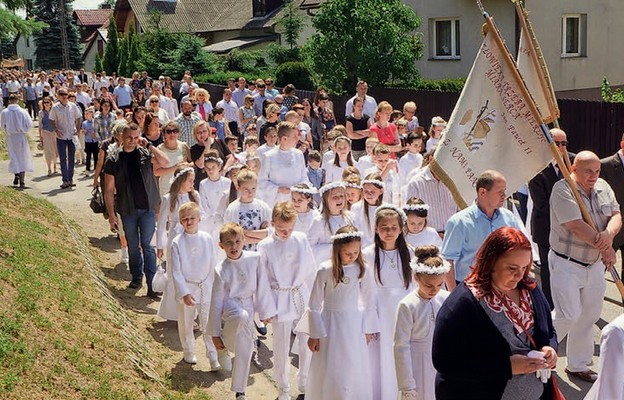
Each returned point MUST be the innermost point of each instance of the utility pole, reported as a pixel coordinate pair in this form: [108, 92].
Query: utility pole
[64, 44]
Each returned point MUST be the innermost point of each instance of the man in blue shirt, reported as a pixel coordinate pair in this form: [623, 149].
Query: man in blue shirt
[467, 229]
[123, 94]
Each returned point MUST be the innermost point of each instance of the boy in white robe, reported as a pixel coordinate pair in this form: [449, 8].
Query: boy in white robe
[288, 261]
[282, 167]
[240, 289]
[193, 259]
[610, 384]
[386, 167]
[411, 162]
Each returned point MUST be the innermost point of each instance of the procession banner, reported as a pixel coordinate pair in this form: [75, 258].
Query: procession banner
[495, 125]
[532, 67]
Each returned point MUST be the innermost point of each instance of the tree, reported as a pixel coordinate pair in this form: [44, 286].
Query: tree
[110, 61]
[49, 46]
[134, 52]
[292, 23]
[98, 63]
[373, 40]
[610, 95]
[189, 55]
[158, 44]
[123, 56]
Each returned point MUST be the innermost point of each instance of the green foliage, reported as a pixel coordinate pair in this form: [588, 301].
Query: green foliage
[610, 95]
[11, 24]
[189, 55]
[123, 55]
[296, 73]
[159, 45]
[441, 85]
[280, 54]
[98, 63]
[291, 23]
[49, 47]
[221, 77]
[246, 61]
[111, 51]
[373, 40]
[134, 52]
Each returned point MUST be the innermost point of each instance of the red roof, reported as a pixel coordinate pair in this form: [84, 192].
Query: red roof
[92, 17]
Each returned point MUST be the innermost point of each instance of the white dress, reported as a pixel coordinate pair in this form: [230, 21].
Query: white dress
[320, 233]
[365, 226]
[304, 221]
[334, 173]
[280, 169]
[168, 228]
[392, 191]
[340, 315]
[175, 157]
[413, 338]
[427, 236]
[214, 197]
[388, 295]
[610, 383]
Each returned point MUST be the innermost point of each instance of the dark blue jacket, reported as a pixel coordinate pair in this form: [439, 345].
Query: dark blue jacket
[470, 354]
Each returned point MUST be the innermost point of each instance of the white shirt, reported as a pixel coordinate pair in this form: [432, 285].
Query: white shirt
[370, 106]
[230, 110]
[65, 118]
[409, 164]
[434, 193]
[83, 98]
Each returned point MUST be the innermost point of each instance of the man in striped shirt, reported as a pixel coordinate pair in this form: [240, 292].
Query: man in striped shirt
[187, 120]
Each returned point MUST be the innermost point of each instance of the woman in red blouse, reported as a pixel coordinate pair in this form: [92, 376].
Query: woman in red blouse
[384, 130]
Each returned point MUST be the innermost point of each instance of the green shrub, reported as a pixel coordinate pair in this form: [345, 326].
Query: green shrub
[221, 77]
[280, 54]
[294, 72]
[442, 85]
[244, 60]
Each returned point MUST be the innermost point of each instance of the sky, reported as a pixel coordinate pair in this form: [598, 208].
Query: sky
[85, 4]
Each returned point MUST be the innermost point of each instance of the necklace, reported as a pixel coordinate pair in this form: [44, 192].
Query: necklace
[394, 261]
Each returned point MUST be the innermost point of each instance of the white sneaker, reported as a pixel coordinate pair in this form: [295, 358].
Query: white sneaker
[283, 394]
[214, 362]
[124, 256]
[224, 359]
[190, 358]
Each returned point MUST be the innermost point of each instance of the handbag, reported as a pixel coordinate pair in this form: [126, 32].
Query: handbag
[159, 281]
[97, 201]
[76, 142]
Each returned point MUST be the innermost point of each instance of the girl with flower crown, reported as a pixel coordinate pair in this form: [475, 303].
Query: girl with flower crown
[416, 315]
[340, 320]
[302, 197]
[388, 260]
[364, 210]
[418, 233]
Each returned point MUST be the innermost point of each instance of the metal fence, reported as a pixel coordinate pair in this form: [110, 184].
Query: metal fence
[590, 125]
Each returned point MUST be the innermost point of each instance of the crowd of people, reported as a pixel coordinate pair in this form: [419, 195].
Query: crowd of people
[273, 216]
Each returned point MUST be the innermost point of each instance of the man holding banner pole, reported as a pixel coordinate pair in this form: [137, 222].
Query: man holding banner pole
[578, 257]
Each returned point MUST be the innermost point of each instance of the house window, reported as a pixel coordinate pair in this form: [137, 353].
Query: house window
[574, 35]
[262, 8]
[100, 47]
[29, 64]
[445, 42]
[27, 41]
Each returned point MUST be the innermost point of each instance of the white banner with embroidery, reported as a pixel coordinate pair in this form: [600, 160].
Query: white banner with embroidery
[492, 127]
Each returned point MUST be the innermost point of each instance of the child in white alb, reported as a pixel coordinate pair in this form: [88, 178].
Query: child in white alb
[416, 315]
[418, 233]
[282, 167]
[240, 289]
[341, 320]
[214, 192]
[388, 260]
[333, 216]
[411, 161]
[247, 211]
[289, 265]
[342, 159]
[302, 197]
[366, 162]
[386, 167]
[364, 210]
[193, 260]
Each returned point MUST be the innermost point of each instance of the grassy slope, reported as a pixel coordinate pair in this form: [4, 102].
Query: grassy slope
[58, 337]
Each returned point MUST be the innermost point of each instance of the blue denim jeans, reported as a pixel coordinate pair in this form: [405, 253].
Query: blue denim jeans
[66, 152]
[139, 228]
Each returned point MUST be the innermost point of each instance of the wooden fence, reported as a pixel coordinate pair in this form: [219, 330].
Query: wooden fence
[590, 125]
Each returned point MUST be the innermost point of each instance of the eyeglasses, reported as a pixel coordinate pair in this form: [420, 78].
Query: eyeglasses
[153, 101]
[561, 143]
[279, 102]
[62, 94]
[171, 131]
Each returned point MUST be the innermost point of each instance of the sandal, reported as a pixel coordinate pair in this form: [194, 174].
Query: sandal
[587, 375]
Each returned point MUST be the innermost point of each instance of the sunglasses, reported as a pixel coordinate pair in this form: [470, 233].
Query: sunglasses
[153, 101]
[62, 94]
[171, 131]
[561, 143]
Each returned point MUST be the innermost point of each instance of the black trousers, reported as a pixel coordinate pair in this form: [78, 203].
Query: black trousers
[545, 273]
[92, 148]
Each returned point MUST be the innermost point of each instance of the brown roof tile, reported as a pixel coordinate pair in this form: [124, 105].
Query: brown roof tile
[92, 17]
